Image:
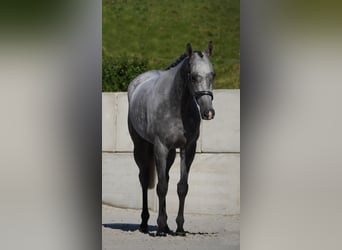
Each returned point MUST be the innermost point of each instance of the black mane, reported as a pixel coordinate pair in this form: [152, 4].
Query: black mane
[181, 58]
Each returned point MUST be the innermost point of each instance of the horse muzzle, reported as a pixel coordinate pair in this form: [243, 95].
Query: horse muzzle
[208, 114]
[204, 100]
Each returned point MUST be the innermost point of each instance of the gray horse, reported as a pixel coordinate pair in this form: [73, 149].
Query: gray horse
[164, 115]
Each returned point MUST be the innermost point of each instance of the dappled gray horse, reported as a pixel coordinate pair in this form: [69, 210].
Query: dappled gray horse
[164, 115]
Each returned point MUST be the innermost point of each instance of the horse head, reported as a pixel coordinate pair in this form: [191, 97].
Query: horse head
[201, 78]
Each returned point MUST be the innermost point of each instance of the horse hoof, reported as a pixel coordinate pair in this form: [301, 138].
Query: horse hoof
[180, 233]
[161, 234]
[143, 229]
[163, 231]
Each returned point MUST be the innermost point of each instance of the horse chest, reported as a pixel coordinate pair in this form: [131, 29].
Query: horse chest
[174, 135]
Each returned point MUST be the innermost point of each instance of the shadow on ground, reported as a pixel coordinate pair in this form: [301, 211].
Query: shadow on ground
[152, 229]
[127, 227]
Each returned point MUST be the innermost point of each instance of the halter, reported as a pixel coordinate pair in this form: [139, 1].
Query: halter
[200, 93]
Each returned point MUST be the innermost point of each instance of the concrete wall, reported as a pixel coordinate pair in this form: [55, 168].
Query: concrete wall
[214, 181]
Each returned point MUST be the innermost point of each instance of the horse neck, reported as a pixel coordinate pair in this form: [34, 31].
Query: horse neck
[179, 89]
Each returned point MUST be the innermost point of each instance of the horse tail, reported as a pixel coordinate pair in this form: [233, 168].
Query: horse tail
[151, 174]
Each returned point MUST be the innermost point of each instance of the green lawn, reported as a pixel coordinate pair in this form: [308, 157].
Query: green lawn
[158, 30]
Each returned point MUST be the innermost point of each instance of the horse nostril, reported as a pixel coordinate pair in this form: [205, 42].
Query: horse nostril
[209, 114]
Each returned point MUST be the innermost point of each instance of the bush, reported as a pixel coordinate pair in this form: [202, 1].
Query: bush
[118, 72]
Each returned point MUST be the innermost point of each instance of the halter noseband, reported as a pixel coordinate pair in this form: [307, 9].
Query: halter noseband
[198, 94]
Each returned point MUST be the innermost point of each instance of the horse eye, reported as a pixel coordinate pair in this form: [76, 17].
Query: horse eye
[194, 77]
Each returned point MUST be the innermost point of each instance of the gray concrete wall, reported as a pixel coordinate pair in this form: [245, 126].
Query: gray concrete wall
[214, 182]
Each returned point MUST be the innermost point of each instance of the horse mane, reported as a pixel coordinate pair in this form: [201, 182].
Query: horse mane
[175, 63]
[181, 58]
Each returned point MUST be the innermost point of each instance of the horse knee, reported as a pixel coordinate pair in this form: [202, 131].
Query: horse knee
[182, 189]
[162, 189]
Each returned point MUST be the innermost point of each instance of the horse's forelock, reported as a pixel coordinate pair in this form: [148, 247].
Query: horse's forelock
[200, 53]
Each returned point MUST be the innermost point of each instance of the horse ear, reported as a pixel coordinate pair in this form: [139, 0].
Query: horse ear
[188, 50]
[210, 48]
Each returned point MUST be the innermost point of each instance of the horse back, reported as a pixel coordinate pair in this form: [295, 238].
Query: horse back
[149, 76]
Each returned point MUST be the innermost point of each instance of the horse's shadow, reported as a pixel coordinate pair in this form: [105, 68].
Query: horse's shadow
[131, 228]
[126, 227]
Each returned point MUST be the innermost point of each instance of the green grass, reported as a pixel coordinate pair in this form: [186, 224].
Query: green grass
[158, 30]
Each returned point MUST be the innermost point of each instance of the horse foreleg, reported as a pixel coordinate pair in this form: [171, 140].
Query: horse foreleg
[187, 156]
[161, 154]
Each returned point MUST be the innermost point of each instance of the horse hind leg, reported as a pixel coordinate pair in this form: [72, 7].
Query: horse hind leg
[143, 156]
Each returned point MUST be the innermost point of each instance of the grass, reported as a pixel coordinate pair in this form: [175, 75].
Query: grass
[158, 30]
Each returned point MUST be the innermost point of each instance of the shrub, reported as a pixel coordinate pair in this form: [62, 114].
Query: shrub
[118, 72]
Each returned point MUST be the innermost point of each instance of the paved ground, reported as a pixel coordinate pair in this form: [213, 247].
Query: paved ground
[120, 231]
